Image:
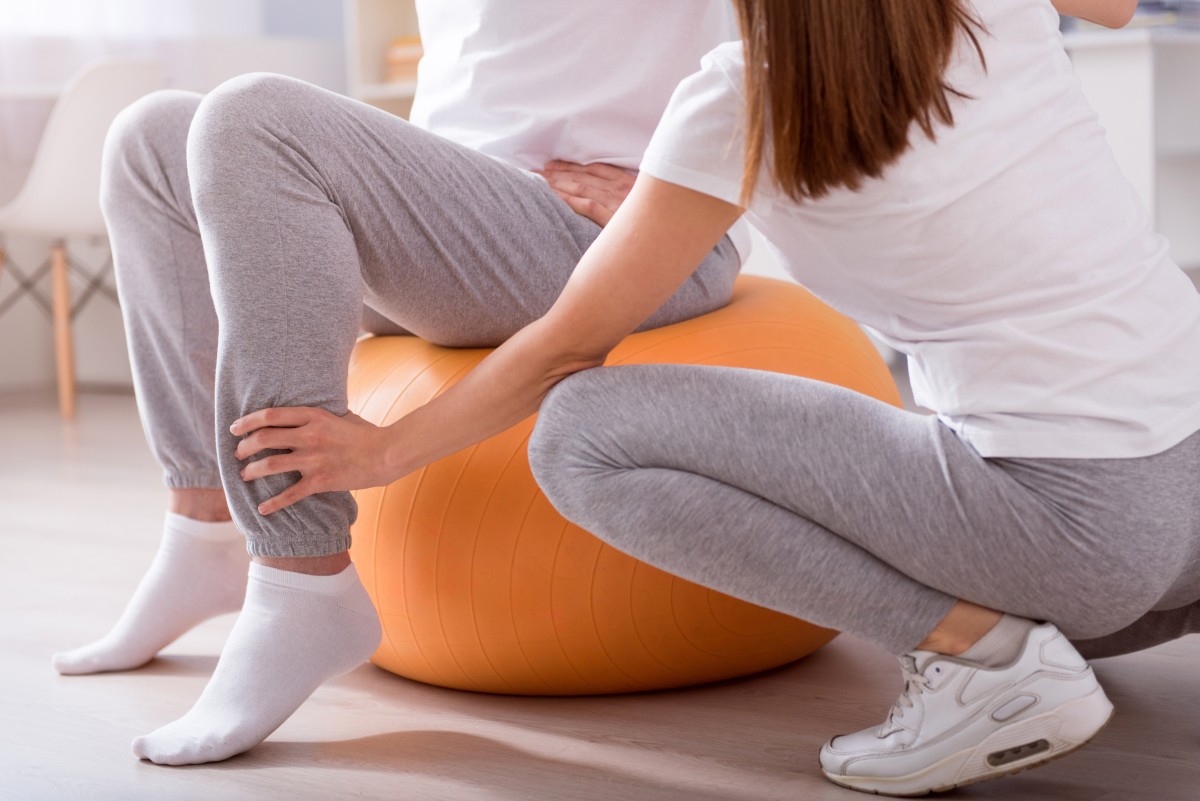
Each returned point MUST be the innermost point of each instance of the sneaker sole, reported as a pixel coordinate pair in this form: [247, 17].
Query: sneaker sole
[1062, 730]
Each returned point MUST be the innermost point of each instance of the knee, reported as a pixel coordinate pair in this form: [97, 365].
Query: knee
[233, 116]
[143, 140]
[562, 452]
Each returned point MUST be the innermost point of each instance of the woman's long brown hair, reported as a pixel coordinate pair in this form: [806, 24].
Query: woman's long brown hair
[833, 87]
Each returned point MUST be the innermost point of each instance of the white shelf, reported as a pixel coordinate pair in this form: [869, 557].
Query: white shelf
[371, 26]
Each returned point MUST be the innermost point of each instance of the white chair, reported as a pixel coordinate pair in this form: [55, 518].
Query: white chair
[61, 195]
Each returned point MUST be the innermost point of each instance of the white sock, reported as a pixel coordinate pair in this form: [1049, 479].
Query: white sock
[1003, 643]
[199, 572]
[295, 632]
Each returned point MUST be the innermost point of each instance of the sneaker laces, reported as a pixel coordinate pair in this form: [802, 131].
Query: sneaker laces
[915, 683]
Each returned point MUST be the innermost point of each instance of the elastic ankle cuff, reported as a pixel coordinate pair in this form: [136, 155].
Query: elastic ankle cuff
[209, 480]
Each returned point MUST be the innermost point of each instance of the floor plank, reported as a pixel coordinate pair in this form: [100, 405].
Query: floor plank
[80, 510]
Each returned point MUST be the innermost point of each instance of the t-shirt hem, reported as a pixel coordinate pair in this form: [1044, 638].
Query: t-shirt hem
[704, 183]
[1077, 444]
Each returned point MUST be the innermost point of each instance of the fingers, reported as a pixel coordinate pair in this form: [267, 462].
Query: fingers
[586, 207]
[272, 466]
[275, 465]
[276, 417]
[606, 171]
[309, 438]
[600, 194]
[298, 491]
[601, 176]
[563, 166]
[597, 205]
[276, 439]
[594, 191]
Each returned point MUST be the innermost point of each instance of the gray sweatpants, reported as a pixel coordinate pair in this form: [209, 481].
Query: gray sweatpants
[824, 504]
[255, 228]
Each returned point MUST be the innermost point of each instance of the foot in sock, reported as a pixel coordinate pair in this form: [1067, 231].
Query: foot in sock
[995, 710]
[199, 572]
[295, 632]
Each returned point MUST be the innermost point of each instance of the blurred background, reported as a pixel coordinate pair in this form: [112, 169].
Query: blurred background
[43, 44]
[1142, 81]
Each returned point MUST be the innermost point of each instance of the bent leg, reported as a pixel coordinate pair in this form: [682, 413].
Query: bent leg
[827, 505]
[310, 204]
[200, 568]
[820, 503]
[162, 277]
[311, 207]
[608, 458]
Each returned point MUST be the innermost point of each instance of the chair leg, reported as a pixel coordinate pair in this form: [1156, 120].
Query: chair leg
[64, 349]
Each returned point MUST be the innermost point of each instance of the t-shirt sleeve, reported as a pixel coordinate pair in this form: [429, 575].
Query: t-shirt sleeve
[699, 142]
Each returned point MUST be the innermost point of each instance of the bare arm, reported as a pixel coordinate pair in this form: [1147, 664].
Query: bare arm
[653, 243]
[1111, 13]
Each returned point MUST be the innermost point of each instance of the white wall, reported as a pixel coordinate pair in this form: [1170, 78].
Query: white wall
[296, 37]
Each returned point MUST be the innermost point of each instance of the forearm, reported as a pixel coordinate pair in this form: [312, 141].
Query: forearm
[1111, 13]
[654, 242]
[504, 389]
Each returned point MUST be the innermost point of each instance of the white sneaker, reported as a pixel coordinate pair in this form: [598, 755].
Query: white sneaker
[958, 722]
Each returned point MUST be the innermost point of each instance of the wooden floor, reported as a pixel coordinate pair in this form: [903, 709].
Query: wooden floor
[80, 510]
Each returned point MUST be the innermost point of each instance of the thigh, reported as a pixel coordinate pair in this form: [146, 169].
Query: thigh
[454, 246]
[898, 485]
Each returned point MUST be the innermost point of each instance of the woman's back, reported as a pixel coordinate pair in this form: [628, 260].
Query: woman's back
[1009, 259]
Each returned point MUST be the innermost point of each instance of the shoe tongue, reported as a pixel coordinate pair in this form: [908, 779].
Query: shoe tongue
[917, 661]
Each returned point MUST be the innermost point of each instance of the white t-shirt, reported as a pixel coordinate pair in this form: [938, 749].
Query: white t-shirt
[1011, 261]
[527, 81]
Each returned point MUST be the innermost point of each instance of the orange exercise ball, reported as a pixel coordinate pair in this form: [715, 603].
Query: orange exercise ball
[482, 585]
